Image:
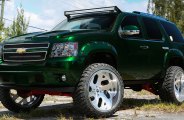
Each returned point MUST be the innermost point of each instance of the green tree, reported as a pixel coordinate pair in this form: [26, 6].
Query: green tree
[20, 24]
[1, 30]
[170, 9]
[1, 19]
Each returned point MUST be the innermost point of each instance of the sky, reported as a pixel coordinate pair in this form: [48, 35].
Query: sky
[46, 14]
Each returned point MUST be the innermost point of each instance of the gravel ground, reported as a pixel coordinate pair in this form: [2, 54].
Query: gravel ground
[48, 110]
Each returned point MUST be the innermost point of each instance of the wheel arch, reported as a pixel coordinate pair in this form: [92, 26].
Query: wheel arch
[99, 52]
[174, 58]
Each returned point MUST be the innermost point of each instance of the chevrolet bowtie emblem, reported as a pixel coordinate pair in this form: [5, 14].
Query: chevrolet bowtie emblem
[21, 50]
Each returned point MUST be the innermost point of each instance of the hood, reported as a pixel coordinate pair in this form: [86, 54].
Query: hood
[43, 35]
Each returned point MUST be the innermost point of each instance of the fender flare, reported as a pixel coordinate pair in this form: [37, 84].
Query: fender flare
[172, 53]
[97, 47]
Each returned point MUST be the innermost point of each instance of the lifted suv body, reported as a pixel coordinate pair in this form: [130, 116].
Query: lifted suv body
[136, 58]
[33, 61]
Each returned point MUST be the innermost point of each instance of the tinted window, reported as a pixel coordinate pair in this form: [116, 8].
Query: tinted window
[132, 20]
[173, 31]
[152, 29]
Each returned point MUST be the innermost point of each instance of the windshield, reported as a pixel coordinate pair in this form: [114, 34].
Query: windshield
[87, 23]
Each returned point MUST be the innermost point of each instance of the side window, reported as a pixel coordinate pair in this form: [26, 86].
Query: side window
[173, 32]
[132, 23]
[152, 28]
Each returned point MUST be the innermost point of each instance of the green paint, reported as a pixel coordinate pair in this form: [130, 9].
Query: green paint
[83, 48]
[1, 61]
[70, 59]
[133, 63]
[70, 38]
[57, 37]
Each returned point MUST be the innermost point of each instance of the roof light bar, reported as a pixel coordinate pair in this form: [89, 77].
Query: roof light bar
[113, 9]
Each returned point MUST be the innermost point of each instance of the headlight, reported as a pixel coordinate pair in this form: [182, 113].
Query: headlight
[64, 49]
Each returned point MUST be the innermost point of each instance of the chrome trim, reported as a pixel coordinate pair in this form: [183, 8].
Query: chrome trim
[48, 44]
[165, 48]
[27, 52]
[27, 48]
[26, 60]
[144, 47]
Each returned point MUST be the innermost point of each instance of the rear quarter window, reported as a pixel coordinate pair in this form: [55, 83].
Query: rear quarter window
[173, 31]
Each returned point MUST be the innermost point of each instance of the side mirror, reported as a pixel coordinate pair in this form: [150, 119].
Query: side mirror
[129, 30]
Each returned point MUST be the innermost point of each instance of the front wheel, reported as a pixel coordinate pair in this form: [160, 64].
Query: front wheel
[17, 101]
[100, 91]
[172, 89]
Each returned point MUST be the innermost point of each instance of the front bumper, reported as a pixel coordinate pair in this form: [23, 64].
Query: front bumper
[45, 75]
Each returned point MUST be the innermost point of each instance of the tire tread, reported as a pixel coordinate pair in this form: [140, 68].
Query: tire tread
[79, 97]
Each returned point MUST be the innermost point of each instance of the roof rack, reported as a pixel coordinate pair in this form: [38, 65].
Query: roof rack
[150, 15]
[113, 9]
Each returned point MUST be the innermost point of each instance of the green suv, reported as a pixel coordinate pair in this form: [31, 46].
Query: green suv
[92, 56]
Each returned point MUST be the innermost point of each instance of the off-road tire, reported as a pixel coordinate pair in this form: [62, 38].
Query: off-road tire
[80, 97]
[10, 104]
[167, 92]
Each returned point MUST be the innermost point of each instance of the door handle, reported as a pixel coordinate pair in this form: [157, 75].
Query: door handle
[165, 48]
[144, 47]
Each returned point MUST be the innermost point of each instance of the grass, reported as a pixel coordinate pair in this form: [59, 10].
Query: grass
[151, 105]
[164, 107]
[55, 113]
[1, 106]
[8, 117]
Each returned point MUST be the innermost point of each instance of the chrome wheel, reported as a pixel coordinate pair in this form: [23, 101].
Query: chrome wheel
[99, 93]
[179, 86]
[20, 100]
[25, 101]
[104, 90]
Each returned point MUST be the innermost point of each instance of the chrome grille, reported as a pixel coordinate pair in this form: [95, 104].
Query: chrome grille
[26, 45]
[33, 52]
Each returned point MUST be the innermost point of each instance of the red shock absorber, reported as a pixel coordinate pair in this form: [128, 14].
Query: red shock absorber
[149, 88]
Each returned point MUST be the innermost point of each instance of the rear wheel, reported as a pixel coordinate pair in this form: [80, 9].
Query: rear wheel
[18, 101]
[172, 89]
[100, 91]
